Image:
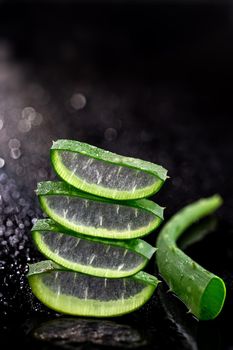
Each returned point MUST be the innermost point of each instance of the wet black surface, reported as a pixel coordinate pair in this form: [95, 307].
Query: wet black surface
[156, 83]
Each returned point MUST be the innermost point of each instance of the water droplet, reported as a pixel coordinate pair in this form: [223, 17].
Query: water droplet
[173, 249]
[78, 101]
[24, 125]
[2, 162]
[1, 124]
[15, 195]
[110, 134]
[9, 223]
[14, 143]
[29, 113]
[2, 230]
[15, 153]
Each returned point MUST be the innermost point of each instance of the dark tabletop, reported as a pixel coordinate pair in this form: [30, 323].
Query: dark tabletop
[153, 81]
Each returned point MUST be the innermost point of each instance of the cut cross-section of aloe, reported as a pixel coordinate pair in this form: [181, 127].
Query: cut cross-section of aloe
[103, 173]
[95, 216]
[97, 257]
[78, 294]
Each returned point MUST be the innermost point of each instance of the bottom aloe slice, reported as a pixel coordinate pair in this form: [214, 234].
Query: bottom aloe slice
[78, 294]
[94, 256]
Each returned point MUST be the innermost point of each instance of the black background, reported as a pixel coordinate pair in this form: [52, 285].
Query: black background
[158, 82]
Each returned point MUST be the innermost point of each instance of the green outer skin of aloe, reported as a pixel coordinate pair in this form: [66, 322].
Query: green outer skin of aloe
[200, 290]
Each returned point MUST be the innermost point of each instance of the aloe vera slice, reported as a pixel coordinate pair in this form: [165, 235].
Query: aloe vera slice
[103, 173]
[200, 290]
[97, 257]
[78, 294]
[95, 216]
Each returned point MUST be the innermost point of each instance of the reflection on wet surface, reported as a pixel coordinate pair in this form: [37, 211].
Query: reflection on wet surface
[69, 332]
[193, 335]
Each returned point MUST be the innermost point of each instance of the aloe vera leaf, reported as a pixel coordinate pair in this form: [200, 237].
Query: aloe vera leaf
[95, 216]
[103, 173]
[97, 257]
[200, 290]
[78, 294]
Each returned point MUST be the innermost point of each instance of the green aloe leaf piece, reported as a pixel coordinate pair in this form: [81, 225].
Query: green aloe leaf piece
[95, 216]
[103, 173]
[78, 294]
[200, 290]
[97, 257]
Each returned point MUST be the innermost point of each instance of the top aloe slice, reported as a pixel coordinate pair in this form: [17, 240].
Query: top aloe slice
[103, 173]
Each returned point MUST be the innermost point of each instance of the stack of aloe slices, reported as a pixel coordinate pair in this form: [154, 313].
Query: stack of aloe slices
[97, 215]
